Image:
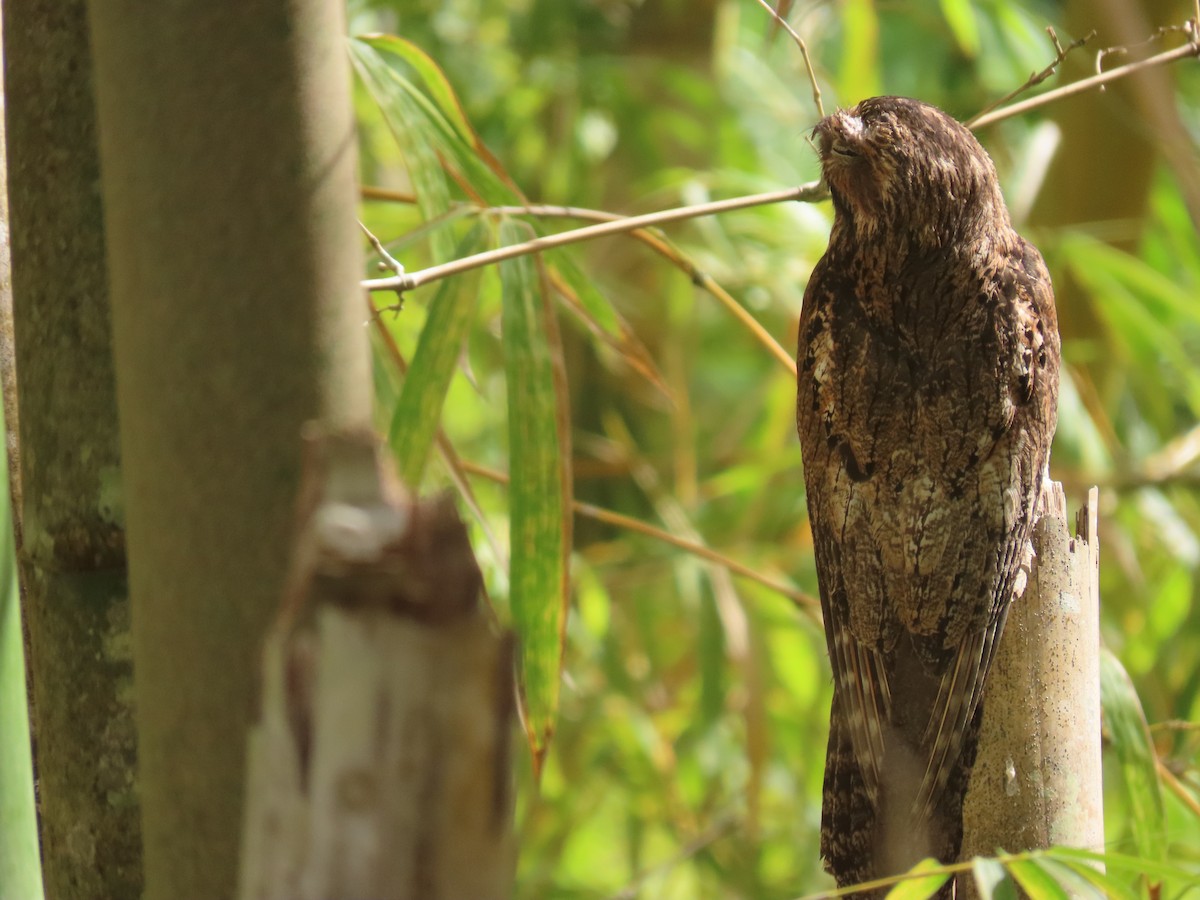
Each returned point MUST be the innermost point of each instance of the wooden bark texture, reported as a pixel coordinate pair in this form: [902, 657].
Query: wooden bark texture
[1037, 779]
[380, 767]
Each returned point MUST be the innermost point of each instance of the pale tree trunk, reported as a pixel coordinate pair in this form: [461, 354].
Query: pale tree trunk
[228, 150]
[381, 768]
[66, 485]
[1037, 779]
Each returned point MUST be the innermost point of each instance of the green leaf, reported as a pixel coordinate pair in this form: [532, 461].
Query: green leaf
[991, 879]
[419, 409]
[1138, 763]
[415, 135]
[1123, 862]
[431, 74]
[961, 19]
[1105, 884]
[1071, 880]
[1147, 313]
[443, 96]
[20, 857]
[917, 885]
[539, 455]
[1033, 878]
[386, 64]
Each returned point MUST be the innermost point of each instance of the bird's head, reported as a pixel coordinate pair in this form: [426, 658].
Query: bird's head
[895, 165]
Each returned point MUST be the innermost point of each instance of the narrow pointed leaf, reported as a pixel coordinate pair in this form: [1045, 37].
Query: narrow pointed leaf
[1035, 880]
[1130, 865]
[1138, 763]
[419, 409]
[537, 498]
[441, 93]
[991, 879]
[415, 136]
[1072, 881]
[403, 101]
[920, 886]
[1105, 883]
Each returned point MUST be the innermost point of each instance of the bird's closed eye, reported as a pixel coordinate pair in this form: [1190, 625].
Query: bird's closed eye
[843, 150]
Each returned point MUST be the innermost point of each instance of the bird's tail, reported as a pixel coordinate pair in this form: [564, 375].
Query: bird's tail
[847, 812]
[863, 839]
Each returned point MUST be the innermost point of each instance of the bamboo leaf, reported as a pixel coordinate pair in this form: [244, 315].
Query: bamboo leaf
[405, 103]
[1072, 880]
[538, 498]
[1145, 311]
[1122, 862]
[415, 136]
[441, 93]
[419, 408]
[1138, 763]
[921, 882]
[992, 882]
[1035, 880]
[1105, 884]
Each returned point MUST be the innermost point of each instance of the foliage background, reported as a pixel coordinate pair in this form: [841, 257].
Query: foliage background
[690, 739]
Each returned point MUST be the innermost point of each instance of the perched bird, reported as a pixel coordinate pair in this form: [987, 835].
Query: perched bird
[928, 383]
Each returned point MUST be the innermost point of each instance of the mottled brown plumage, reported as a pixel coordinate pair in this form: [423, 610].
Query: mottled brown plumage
[928, 359]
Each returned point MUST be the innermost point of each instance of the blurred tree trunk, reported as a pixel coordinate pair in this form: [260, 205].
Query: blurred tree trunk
[228, 150]
[387, 702]
[66, 483]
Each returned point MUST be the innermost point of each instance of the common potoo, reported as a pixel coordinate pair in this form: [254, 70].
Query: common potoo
[928, 358]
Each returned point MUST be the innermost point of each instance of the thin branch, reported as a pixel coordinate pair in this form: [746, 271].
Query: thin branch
[1123, 49]
[1183, 794]
[669, 251]
[805, 602]
[1190, 49]
[812, 76]
[661, 246]
[370, 192]
[1060, 54]
[810, 192]
[387, 261]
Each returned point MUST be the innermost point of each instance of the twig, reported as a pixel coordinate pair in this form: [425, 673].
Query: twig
[1122, 50]
[654, 241]
[810, 192]
[1190, 49]
[387, 261]
[1183, 794]
[370, 192]
[667, 250]
[812, 76]
[1060, 54]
